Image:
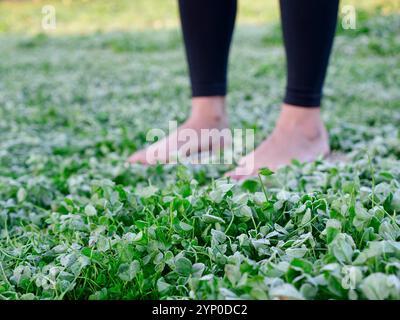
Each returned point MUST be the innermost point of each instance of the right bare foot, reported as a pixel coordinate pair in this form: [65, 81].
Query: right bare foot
[299, 134]
[207, 113]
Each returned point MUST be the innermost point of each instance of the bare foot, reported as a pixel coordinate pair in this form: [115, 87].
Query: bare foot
[299, 134]
[207, 113]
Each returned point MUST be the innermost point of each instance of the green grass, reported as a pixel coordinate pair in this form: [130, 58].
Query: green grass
[77, 223]
[88, 16]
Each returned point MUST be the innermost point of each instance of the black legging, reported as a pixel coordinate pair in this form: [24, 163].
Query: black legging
[308, 31]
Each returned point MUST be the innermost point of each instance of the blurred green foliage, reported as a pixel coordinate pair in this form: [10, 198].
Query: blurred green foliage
[87, 16]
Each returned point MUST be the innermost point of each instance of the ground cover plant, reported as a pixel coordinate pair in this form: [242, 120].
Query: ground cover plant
[77, 223]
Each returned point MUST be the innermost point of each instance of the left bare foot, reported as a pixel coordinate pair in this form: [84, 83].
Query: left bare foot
[299, 134]
[208, 113]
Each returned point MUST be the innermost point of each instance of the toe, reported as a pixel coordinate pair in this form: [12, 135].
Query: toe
[238, 175]
[138, 157]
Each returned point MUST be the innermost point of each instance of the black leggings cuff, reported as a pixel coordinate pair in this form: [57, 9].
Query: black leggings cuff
[209, 89]
[302, 98]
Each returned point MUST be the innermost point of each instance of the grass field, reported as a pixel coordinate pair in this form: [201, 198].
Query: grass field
[77, 223]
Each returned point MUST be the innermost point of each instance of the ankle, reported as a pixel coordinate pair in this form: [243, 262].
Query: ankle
[301, 121]
[210, 109]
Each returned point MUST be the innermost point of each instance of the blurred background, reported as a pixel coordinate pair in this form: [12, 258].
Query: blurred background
[86, 16]
[86, 79]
